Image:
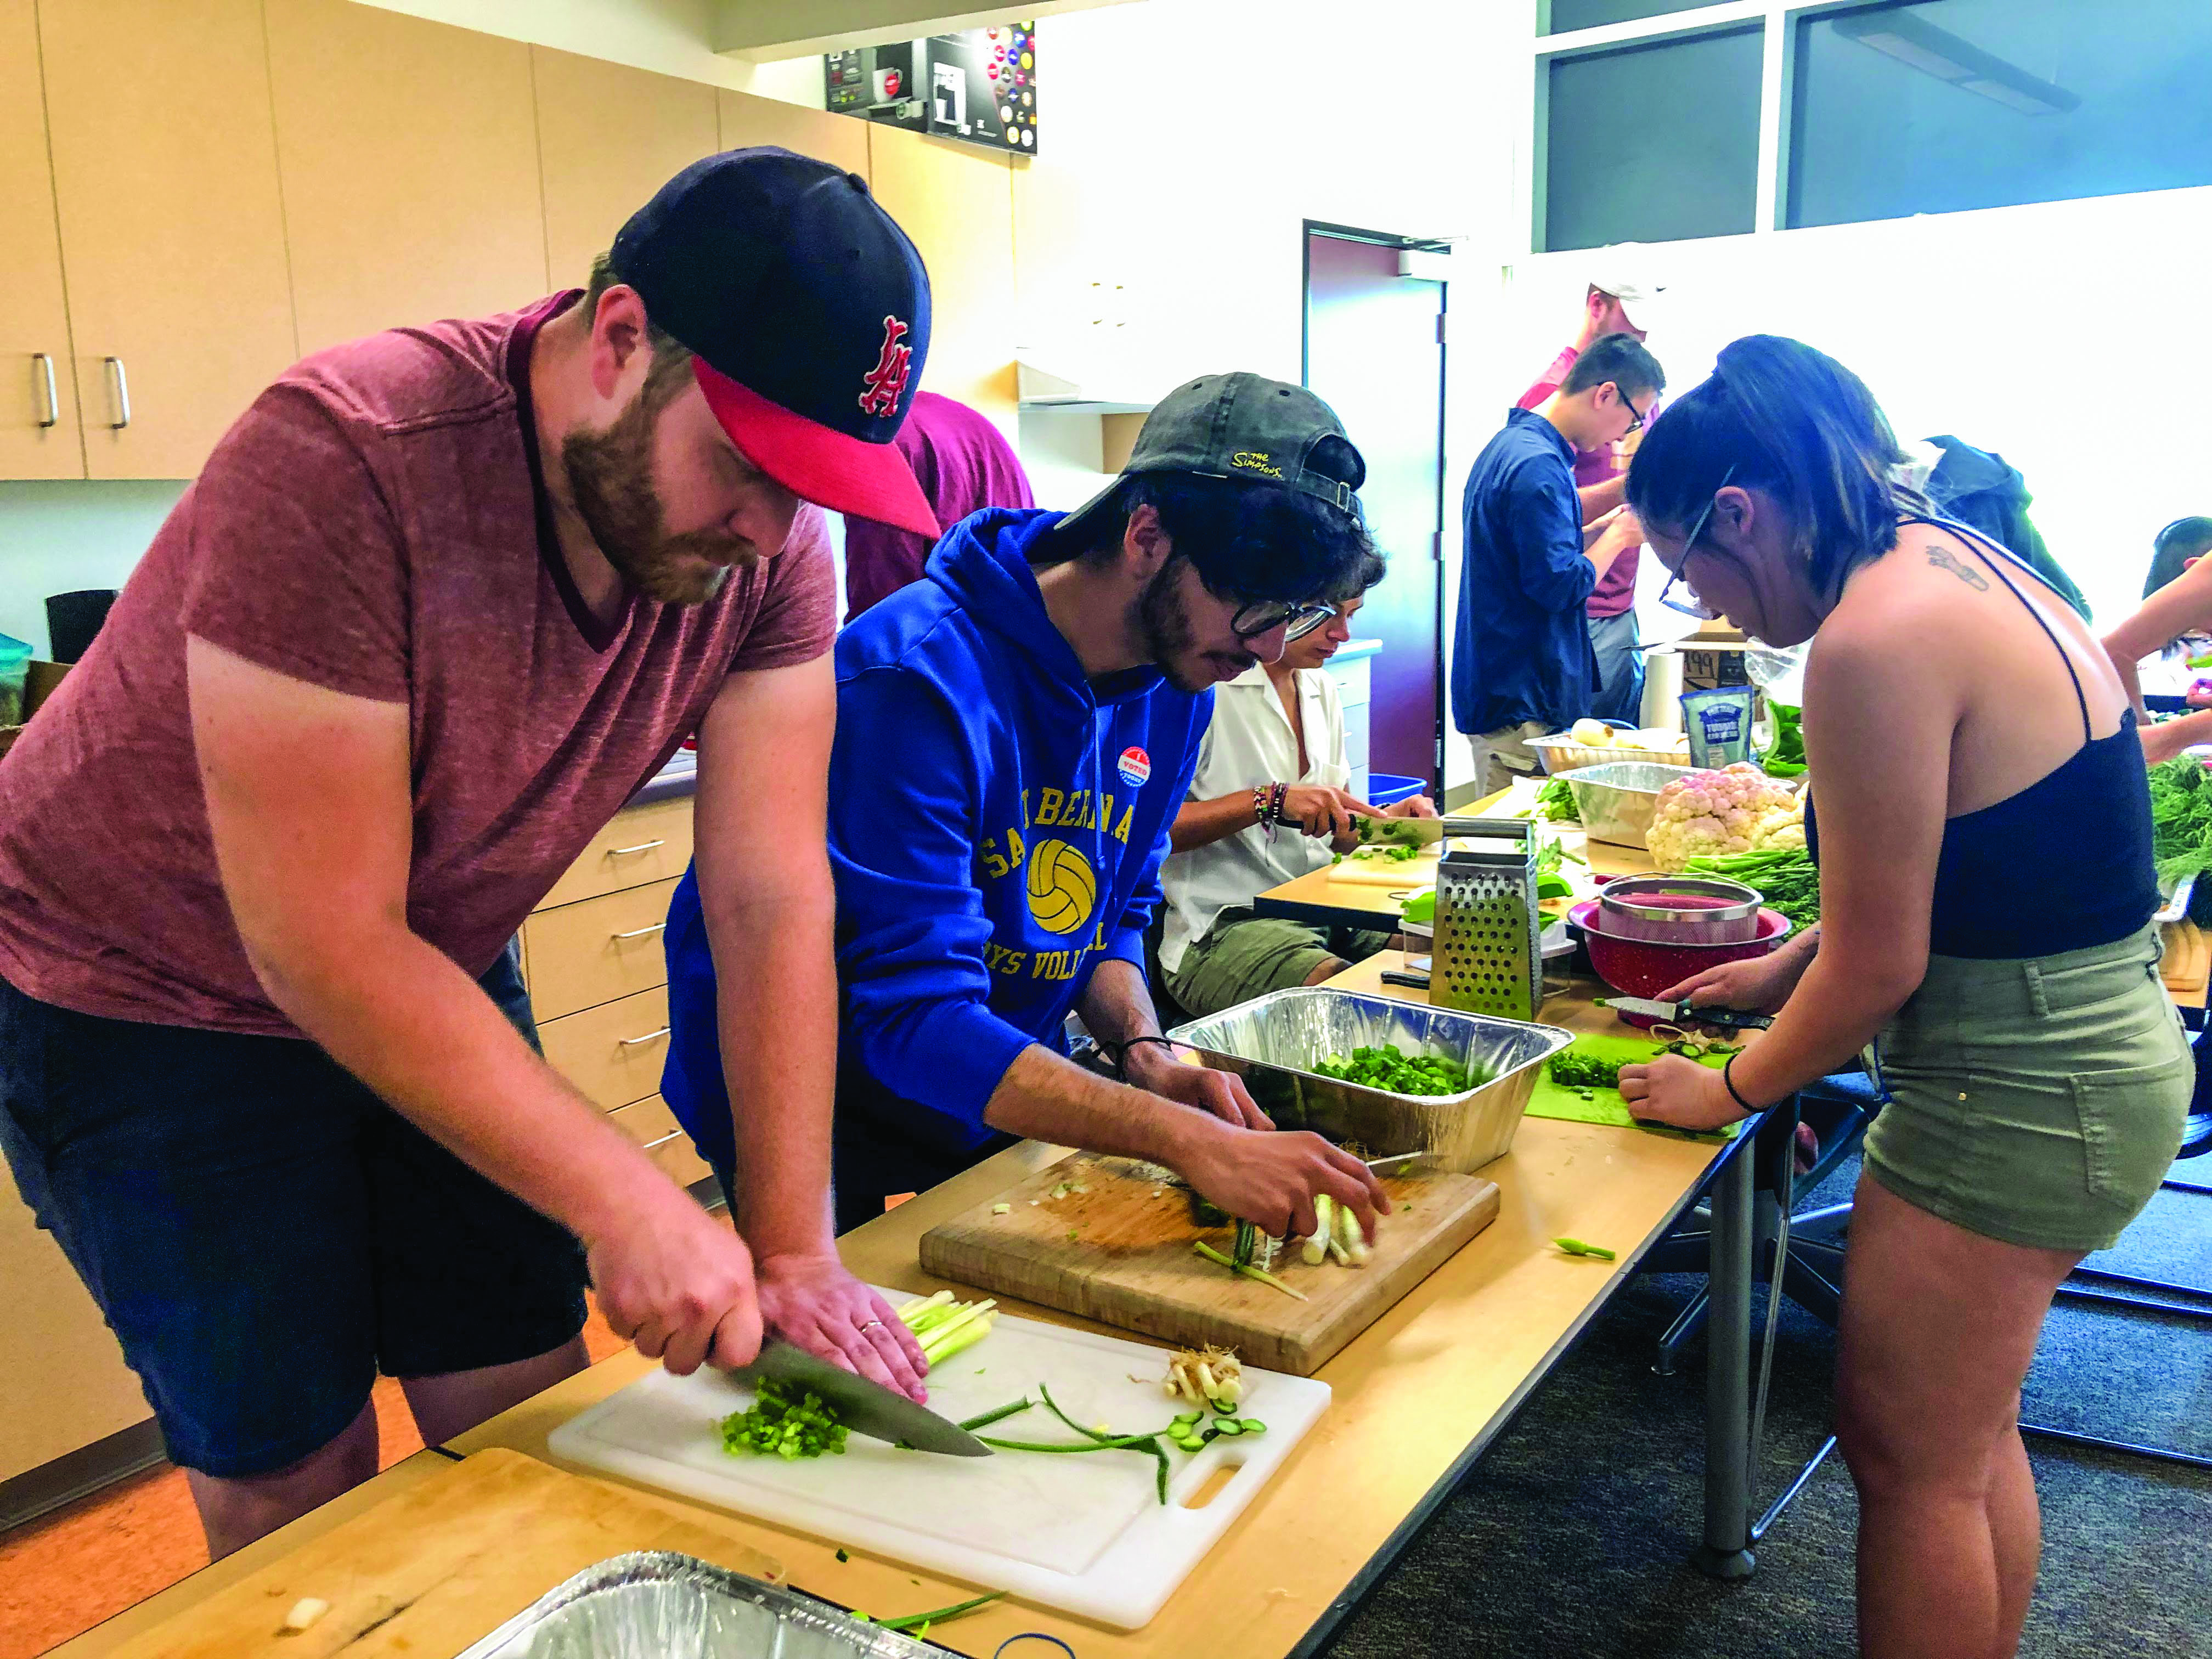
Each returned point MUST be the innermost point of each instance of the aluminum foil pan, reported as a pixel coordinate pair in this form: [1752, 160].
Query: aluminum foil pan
[1616, 800]
[657, 1604]
[1272, 1042]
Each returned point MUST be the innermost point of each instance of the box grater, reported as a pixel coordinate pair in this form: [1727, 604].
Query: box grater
[1486, 958]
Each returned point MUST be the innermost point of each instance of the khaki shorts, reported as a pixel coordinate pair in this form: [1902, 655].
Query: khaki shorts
[2038, 1102]
[1244, 956]
[1502, 756]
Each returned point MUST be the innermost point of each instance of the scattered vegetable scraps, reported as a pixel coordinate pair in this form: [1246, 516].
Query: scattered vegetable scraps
[1388, 1067]
[1206, 1376]
[1556, 801]
[918, 1623]
[1576, 1247]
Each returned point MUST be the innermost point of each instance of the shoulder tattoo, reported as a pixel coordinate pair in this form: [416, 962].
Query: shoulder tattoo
[1943, 559]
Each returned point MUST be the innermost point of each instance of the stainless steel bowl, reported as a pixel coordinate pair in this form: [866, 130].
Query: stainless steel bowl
[1678, 909]
[1616, 800]
[657, 1604]
[1274, 1042]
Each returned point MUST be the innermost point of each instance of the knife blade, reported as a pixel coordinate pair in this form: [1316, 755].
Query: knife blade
[1681, 1014]
[863, 1406]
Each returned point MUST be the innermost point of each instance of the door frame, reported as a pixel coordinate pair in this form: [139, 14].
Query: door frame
[1309, 229]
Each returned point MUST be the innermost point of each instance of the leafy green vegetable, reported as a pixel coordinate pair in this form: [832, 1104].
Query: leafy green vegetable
[783, 1422]
[1401, 853]
[1389, 832]
[1785, 877]
[1389, 1067]
[2180, 818]
[1557, 802]
[1787, 758]
[1577, 1070]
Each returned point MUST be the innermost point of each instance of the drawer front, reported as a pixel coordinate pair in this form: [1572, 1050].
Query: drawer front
[614, 1052]
[582, 955]
[653, 1126]
[640, 844]
[1354, 682]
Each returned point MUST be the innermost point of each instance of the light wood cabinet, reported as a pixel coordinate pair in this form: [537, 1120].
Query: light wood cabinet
[171, 228]
[409, 154]
[956, 204]
[608, 136]
[39, 436]
[837, 139]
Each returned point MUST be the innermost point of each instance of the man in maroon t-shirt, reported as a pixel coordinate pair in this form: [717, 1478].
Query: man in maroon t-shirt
[1619, 301]
[436, 606]
[963, 465]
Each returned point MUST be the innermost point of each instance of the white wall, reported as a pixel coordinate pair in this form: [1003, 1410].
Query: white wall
[2063, 335]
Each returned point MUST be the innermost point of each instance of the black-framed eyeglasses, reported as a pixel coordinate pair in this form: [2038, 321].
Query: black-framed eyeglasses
[1690, 605]
[1265, 616]
[1635, 419]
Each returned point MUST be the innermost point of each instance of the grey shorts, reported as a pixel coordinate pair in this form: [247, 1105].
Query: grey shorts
[2037, 1101]
[1244, 956]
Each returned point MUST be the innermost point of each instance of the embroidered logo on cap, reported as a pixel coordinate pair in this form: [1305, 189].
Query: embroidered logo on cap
[1135, 766]
[887, 379]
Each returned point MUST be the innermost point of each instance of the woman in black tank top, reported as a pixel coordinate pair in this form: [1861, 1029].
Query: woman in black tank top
[1986, 891]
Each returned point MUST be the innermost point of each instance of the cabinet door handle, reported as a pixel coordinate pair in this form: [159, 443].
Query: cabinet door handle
[122, 380]
[640, 933]
[45, 363]
[642, 846]
[650, 1037]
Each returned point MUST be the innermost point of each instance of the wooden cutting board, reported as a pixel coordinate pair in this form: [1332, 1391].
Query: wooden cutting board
[437, 1568]
[1120, 1252]
[2187, 959]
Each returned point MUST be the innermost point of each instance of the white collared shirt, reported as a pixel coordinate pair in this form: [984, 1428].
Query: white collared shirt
[1251, 742]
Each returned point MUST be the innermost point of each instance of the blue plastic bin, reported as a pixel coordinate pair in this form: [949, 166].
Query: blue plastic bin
[1387, 788]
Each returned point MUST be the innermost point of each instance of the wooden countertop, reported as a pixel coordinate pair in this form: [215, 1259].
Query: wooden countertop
[1418, 1396]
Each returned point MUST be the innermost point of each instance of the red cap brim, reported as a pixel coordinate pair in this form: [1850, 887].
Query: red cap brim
[831, 469]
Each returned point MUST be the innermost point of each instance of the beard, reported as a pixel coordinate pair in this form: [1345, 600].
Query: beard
[1165, 626]
[610, 480]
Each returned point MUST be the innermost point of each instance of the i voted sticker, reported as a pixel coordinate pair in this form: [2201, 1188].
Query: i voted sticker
[1135, 766]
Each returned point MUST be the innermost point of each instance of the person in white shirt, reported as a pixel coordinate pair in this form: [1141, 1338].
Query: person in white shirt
[1278, 729]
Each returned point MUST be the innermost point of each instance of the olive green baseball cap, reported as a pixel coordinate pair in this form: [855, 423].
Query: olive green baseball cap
[1246, 429]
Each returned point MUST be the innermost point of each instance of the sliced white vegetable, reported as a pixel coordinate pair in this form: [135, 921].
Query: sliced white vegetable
[304, 1612]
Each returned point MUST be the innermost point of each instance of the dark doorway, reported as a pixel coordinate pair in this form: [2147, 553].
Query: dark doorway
[1374, 352]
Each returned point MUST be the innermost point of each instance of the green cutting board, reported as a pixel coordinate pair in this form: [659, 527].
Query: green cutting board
[1551, 1099]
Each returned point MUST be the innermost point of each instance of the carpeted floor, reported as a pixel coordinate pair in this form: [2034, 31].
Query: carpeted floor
[1573, 1536]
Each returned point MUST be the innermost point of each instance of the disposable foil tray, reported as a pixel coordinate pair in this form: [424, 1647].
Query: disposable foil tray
[1274, 1042]
[657, 1604]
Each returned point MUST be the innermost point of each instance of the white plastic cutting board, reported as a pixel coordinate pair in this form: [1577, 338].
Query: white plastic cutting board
[1085, 1534]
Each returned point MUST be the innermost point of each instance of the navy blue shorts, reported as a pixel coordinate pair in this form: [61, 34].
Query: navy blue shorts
[263, 1234]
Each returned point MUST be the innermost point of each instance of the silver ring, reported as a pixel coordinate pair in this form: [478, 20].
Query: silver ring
[872, 1325]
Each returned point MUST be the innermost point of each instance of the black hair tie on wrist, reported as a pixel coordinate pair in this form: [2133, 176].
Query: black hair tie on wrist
[1728, 1083]
[1118, 1053]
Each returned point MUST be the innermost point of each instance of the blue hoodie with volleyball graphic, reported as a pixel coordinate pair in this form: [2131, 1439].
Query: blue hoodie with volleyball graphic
[996, 825]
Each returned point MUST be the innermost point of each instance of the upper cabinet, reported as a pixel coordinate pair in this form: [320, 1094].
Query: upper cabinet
[38, 437]
[172, 227]
[608, 136]
[956, 204]
[839, 140]
[409, 154]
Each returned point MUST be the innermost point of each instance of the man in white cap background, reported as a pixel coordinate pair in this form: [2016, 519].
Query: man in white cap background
[1620, 299]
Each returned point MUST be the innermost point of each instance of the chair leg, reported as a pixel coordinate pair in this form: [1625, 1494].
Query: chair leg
[1825, 1226]
[1688, 1323]
[2127, 1448]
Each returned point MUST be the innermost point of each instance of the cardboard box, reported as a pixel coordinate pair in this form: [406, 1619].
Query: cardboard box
[39, 679]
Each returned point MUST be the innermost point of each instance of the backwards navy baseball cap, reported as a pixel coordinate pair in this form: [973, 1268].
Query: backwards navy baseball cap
[807, 311]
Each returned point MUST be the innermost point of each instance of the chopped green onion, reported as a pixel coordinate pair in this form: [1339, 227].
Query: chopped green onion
[1249, 1272]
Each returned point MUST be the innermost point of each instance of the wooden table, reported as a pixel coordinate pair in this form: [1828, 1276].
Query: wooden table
[1418, 1397]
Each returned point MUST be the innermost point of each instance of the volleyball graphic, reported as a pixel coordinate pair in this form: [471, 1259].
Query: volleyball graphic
[1062, 887]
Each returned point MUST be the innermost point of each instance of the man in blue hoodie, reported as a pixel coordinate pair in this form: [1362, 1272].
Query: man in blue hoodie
[1015, 733]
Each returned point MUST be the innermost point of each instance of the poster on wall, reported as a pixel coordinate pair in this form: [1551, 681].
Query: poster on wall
[979, 86]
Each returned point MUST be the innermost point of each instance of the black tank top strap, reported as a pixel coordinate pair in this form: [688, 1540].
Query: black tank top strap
[2005, 555]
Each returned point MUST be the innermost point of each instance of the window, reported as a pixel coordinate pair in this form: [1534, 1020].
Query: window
[1567, 14]
[1652, 143]
[1946, 105]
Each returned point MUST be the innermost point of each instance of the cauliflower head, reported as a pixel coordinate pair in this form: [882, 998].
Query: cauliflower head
[1710, 814]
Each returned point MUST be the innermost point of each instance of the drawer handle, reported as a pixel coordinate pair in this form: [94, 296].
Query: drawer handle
[650, 1037]
[122, 383]
[53, 416]
[642, 846]
[640, 933]
[656, 1145]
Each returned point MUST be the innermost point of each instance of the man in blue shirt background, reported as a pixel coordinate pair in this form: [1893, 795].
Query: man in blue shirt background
[1522, 662]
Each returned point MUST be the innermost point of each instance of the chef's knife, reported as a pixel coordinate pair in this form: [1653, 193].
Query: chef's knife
[1681, 1014]
[863, 1406]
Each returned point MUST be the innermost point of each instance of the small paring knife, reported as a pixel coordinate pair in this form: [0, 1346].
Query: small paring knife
[1681, 1014]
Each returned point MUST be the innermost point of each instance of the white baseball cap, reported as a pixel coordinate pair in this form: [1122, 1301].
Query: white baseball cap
[1619, 271]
